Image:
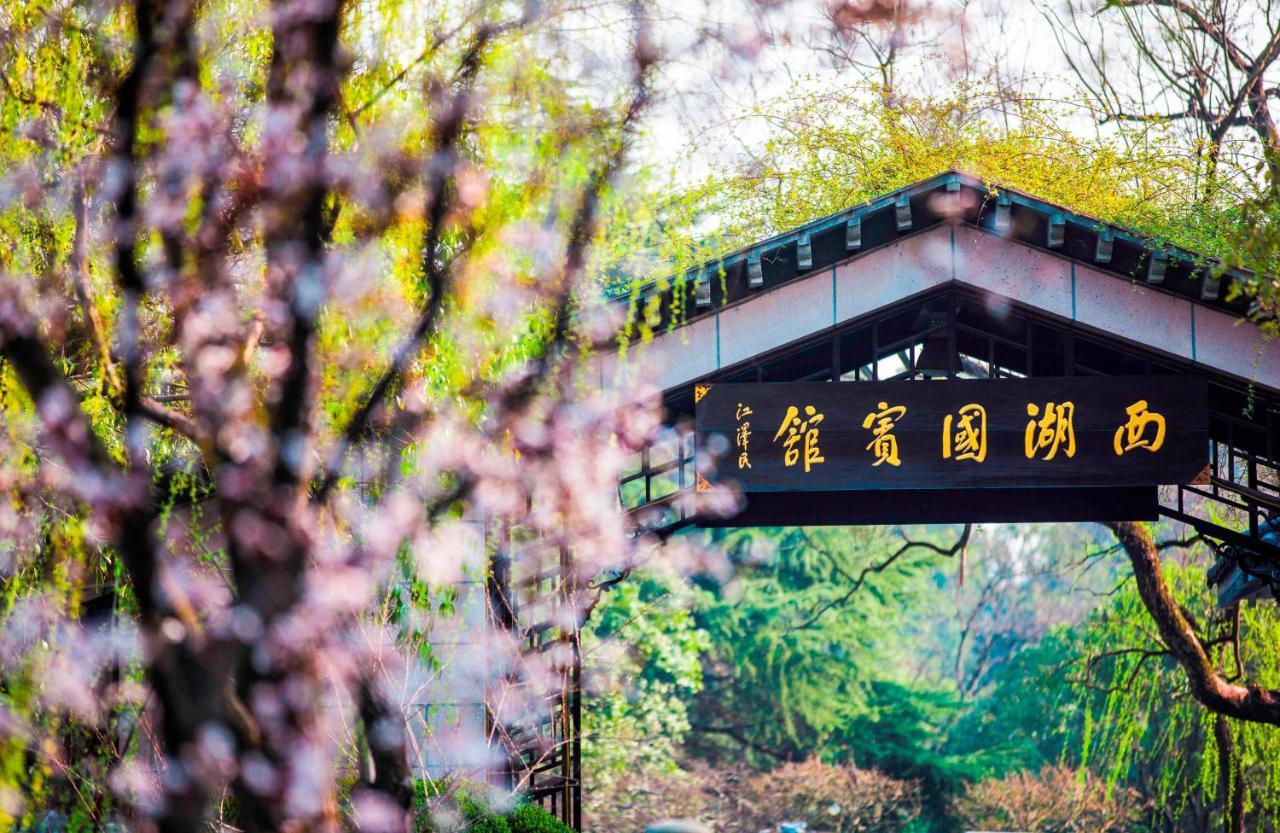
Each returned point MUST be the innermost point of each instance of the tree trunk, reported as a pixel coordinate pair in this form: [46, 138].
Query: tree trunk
[1252, 703]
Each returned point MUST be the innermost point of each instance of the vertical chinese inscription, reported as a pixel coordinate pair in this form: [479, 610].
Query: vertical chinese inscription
[742, 437]
[801, 432]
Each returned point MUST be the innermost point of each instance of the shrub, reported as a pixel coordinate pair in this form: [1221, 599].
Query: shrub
[638, 798]
[488, 824]
[834, 799]
[455, 805]
[838, 799]
[530, 818]
[478, 817]
[1055, 800]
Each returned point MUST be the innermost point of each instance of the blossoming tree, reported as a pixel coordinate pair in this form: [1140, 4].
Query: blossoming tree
[291, 298]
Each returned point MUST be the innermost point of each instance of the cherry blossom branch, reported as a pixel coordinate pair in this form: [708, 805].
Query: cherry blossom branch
[124, 131]
[305, 63]
[441, 173]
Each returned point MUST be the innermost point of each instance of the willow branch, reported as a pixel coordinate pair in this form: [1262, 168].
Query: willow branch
[79, 266]
[879, 567]
[1253, 702]
[446, 131]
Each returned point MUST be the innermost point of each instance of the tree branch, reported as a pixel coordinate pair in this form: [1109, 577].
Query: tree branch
[1202, 23]
[1253, 703]
[303, 79]
[447, 131]
[1190, 113]
[736, 734]
[152, 409]
[879, 567]
[124, 132]
[384, 733]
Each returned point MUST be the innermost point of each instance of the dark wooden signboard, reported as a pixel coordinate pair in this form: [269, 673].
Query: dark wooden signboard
[1109, 440]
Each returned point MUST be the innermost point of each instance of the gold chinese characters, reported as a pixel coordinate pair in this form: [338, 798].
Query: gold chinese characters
[884, 445]
[1053, 431]
[966, 437]
[800, 431]
[1133, 434]
[742, 437]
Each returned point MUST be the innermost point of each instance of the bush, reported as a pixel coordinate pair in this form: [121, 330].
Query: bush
[530, 818]
[639, 797]
[834, 799]
[488, 824]
[1056, 800]
[838, 799]
[455, 805]
[479, 818]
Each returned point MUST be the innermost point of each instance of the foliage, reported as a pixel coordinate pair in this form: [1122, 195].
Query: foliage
[531, 818]
[1143, 727]
[1056, 800]
[443, 805]
[487, 824]
[830, 150]
[873, 677]
[1256, 242]
[1031, 716]
[792, 663]
[642, 663]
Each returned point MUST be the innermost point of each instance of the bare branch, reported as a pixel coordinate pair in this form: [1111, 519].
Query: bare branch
[176, 421]
[879, 567]
[1202, 23]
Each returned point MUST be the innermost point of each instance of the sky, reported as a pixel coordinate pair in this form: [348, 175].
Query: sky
[771, 52]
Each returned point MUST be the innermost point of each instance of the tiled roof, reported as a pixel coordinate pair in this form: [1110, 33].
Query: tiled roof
[953, 196]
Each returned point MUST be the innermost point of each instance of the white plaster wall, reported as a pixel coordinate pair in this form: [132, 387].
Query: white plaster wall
[776, 317]
[1134, 311]
[672, 358]
[1012, 270]
[1234, 346]
[891, 273]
